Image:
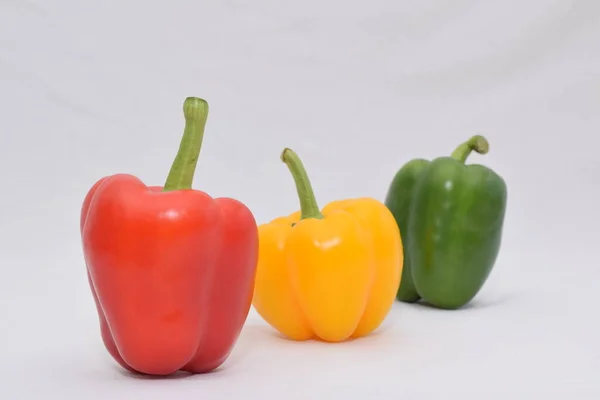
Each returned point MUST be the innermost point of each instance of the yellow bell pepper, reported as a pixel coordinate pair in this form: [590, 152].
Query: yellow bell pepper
[331, 274]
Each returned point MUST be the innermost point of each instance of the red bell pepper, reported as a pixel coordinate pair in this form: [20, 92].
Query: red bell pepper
[171, 269]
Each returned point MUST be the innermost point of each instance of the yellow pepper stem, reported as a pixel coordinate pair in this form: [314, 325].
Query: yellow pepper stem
[308, 203]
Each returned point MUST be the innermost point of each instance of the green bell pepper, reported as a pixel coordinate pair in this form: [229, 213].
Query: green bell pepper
[451, 217]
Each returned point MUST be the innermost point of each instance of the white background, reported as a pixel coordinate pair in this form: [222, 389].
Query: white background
[357, 89]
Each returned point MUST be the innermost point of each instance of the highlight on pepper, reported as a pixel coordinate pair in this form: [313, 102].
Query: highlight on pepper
[171, 269]
[329, 274]
[451, 216]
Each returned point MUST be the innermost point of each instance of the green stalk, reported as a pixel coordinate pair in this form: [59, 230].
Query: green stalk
[182, 171]
[308, 203]
[477, 143]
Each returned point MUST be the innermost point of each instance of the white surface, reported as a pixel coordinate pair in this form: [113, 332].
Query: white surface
[357, 89]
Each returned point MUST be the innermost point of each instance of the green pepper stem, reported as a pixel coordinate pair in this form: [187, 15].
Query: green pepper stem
[182, 171]
[308, 203]
[476, 143]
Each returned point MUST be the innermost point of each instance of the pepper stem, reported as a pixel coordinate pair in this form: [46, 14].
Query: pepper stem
[182, 171]
[308, 203]
[476, 143]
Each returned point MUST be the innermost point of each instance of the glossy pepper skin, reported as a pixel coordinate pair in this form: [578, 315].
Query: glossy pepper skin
[171, 269]
[451, 216]
[328, 275]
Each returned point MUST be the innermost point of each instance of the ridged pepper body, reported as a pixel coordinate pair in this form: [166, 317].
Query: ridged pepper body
[172, 273]
[330, 278]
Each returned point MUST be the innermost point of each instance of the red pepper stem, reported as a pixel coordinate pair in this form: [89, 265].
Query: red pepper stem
[182, 171]
[308, 203]
[477, 143]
